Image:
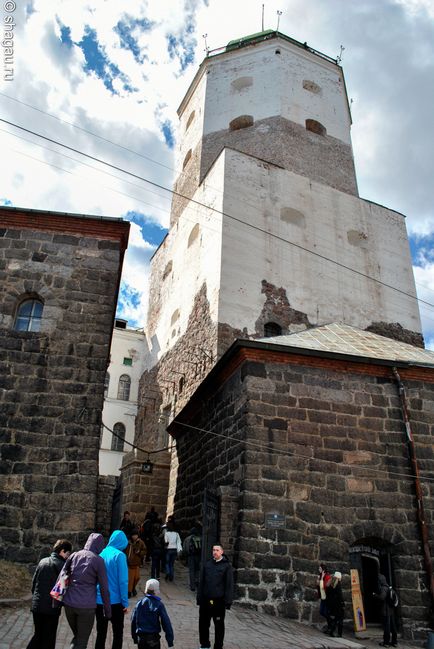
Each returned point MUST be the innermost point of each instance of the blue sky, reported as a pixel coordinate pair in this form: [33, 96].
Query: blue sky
[120, 70]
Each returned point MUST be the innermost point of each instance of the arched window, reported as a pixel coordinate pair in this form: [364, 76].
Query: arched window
[315, 127]
[242, 121]
[106, 384]
[190, 119]
[186, 159]
[118, 442]
[194, 233]
[272, 329]
[29, 316]
[124, 387]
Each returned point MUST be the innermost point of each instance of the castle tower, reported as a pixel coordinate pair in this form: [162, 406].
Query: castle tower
[268, 234]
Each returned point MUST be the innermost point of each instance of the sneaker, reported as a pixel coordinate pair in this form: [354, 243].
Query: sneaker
[384, 644]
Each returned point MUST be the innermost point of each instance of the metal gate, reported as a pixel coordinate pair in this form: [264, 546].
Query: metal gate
[210, 523]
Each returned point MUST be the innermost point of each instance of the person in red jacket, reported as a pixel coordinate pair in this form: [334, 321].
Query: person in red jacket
[323, 582]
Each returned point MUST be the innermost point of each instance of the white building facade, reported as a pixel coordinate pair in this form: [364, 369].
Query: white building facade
[127, 355]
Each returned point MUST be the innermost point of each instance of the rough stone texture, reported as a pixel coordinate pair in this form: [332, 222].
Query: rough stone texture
[325, 448]
[106, 487]
[397, 332]
[163, 391]
[278, 309]
[51, 382]
[276, 140]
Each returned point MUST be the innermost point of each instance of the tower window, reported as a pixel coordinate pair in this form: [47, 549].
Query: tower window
[190, 119]
[272, 329]
[118, 442]
[124, 387]
[181, 384]
[315, 127]
[168, 269]
[193, 235]
[175, 317]
[241, 83]
[127, 360]
[29, 316]
[186, 159]
[243, 121]
[311, 86]
[106, 384]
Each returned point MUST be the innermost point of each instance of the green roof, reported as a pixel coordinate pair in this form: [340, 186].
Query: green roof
[245, 40]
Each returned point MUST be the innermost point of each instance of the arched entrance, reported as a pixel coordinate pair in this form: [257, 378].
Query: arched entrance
[370, 556]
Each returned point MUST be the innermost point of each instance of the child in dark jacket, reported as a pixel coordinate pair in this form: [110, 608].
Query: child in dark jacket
[148, 617]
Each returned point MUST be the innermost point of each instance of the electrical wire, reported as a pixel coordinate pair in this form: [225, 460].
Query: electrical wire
[220, 212]
[261, 447]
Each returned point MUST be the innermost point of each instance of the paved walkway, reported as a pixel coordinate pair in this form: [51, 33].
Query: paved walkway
[245, 629]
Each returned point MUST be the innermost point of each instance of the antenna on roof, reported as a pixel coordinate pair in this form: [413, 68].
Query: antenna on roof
[204, 36]
[262, 18]
[279, 13]
[339, 57]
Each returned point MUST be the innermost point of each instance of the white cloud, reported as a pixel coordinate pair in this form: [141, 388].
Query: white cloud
[389, 67]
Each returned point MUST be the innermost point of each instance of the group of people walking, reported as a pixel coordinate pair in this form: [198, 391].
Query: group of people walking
[95, 583]
[160, 544]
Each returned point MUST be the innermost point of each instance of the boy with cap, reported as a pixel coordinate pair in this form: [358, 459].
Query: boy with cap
[148, 617]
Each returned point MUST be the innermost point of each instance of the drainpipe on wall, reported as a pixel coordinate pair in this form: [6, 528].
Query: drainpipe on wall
[423, 529]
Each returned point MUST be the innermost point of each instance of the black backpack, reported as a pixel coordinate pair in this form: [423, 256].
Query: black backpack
[392, 597]
[195, 545]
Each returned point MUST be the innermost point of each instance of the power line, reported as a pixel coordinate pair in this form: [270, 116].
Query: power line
[261, 446]
[220, 212]
[134, 446]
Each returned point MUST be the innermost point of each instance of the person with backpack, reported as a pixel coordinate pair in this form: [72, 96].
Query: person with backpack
[45, 615]
[389, 599]
[157, 550]
[192, 549]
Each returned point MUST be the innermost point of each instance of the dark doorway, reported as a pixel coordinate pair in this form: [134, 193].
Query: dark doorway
[370, 556]
[369, 585]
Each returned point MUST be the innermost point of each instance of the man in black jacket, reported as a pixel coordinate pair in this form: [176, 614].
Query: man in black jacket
[214, 597]
[45, 616]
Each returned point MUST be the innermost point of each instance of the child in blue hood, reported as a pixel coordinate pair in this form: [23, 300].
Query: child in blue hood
[117, 573]
[148, 617]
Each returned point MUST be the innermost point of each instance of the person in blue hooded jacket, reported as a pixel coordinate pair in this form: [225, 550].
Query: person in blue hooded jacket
[117, 573]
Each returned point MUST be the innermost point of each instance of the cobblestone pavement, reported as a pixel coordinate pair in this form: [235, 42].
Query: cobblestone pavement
[245, 629]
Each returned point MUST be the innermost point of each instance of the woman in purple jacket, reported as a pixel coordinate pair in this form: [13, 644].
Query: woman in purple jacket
[85, 569]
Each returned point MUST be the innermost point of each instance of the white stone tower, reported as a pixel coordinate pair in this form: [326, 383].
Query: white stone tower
[268, 234]
[285, 241]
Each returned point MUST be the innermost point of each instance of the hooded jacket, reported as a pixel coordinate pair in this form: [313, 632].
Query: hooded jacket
[45, 577]
[86, 570]
[148, 617]
[387, 609]
[216, 582]
[117, 569]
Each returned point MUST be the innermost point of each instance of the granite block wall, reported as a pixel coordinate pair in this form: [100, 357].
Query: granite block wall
[51, 381]
[325, 450]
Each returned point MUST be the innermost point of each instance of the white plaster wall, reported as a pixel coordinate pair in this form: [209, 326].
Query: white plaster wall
[125, 343]
[189, 138]
[256, 192]
[277, 88]
[191, 266]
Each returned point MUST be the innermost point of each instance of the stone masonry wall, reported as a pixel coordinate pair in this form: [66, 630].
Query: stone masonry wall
[275, 140]
[163, 391]
[51, 384]
[333, 463]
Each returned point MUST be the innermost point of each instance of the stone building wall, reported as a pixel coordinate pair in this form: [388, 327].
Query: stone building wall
[52, 381]
[323, 445]
[104, 504]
